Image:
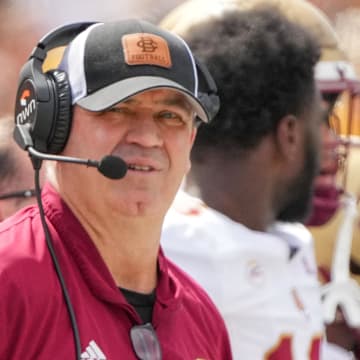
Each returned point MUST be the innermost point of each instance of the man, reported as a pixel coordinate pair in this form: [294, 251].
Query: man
[16, 174]
[253, 165]
[134, 95]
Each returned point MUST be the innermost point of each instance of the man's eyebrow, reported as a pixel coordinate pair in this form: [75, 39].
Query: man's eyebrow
[178, 101]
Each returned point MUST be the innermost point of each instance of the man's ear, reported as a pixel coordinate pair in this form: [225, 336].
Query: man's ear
[288, 136]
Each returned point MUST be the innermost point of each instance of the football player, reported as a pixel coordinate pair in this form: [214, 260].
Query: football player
[336, 79]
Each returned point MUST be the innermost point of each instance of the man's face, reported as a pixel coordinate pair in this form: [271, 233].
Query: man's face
[300, 189]
[152, 132]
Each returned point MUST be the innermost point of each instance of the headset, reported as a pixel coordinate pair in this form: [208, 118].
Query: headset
[43, 117]
[43, 100]
[43, 113]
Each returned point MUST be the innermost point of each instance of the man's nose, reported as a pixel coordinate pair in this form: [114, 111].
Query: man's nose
[144, 131]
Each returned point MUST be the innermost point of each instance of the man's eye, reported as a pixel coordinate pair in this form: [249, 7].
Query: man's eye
[168, 115]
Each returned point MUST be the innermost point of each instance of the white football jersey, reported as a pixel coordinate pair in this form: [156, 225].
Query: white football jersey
[264, 284]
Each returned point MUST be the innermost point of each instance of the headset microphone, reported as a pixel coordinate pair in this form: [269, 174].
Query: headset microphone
[113, 167]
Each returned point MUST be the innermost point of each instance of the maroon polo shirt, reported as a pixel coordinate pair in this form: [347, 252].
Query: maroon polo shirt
[34, 321]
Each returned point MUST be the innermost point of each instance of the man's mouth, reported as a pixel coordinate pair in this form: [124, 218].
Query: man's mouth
[140, 167]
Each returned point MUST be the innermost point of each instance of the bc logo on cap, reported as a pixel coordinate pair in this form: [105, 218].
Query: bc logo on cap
[146, 49]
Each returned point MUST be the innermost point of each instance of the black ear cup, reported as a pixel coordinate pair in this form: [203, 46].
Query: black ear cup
[207, 90]
[43, 109]
[63, 111]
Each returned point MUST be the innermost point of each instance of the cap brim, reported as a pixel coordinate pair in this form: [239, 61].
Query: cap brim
[122, 90]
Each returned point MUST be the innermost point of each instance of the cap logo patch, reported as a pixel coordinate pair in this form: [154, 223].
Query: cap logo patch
[146, 49]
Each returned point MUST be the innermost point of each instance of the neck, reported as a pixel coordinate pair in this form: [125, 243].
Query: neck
[241, 190]
[129, 245]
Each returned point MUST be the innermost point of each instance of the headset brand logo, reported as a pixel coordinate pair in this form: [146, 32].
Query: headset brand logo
[27, 107]
[146, 49]
[24, 96]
